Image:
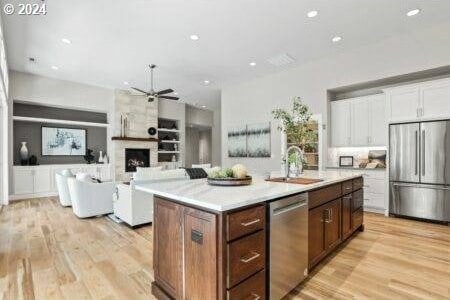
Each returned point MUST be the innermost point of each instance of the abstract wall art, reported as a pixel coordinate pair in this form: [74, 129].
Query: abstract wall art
[58, 141]
[252, 140]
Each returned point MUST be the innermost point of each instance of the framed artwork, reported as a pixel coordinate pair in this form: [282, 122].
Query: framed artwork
[58, 141]
[258, 140]
[237, 141]
[345, 161]
[251, 140]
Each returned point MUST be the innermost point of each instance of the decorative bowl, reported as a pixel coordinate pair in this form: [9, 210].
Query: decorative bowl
[230, 181]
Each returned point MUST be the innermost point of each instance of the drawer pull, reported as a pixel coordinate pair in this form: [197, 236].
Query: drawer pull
[253, 257]
[250, 223]
[256, 296]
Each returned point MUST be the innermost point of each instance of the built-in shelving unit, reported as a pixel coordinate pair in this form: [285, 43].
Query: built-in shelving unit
[169, 143]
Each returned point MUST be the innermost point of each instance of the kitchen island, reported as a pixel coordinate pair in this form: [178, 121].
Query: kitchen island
[213, 242]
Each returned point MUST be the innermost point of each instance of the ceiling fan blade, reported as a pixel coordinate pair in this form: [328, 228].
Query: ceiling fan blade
[168, 97]
[139, 90]
[168, 91]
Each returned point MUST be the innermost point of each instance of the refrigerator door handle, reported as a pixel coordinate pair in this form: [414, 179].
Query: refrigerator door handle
[423, 152]
[416, 156]
[432, 187]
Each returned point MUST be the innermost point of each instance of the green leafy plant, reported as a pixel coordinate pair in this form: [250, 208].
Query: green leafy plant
[296, 123]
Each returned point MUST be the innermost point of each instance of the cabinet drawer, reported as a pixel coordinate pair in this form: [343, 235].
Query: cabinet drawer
[347, 187]
[244, 222]
[357, 199]
[324, 195]
[246, 256]
[357, 218]
[358, 183]
[252, 288]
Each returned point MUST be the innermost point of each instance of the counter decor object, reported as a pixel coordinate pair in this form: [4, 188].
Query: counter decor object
[345, 161]
[24, 154]
[89, 157]
[100, 157]
[230, 181]
[235, 176]
[33, 160]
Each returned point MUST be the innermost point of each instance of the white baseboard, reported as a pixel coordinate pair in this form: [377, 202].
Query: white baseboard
[376, 210]
[31, 196]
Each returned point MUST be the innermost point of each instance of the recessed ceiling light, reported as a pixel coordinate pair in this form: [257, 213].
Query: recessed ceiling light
[126, 83]
[252, 64]
[66, 41]
[203, 106]
[336, 39]
[55, 68]
[206, 82]
[194, 37]
[413, 12]
[175, 93]
[312, 14]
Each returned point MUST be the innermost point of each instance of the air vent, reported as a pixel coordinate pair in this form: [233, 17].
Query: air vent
[281, 60]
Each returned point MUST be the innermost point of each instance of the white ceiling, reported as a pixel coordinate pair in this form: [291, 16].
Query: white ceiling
[114, 41]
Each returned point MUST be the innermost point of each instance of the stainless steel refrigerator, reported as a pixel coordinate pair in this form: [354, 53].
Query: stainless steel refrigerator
[419, 170]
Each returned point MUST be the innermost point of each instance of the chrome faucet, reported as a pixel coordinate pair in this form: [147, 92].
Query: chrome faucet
[286, 159]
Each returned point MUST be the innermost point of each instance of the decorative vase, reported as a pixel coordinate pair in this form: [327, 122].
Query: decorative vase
[105, 159]
[24, 153]
[100, 157]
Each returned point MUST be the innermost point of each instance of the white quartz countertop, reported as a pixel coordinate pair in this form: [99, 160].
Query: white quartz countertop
[199, 193]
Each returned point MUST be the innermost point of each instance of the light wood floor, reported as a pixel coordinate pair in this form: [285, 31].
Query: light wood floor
[48, 253]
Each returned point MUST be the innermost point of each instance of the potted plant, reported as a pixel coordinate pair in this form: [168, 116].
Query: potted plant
[296, 125]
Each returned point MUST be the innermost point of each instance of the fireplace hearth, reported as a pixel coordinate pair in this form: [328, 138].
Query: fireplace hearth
[136, 158]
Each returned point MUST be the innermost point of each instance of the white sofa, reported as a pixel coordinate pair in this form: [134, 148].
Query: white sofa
[63, 187]
[90, 199]
[135, 207]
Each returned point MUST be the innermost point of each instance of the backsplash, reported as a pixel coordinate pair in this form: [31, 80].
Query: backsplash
[359, 154]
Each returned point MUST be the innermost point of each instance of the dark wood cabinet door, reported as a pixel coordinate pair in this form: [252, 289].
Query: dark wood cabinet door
[167, 241]
[316, 238]
[332, 224]
[200, 254]
[346, 216]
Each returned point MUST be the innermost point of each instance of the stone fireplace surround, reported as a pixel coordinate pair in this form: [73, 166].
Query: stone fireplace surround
[141, 115]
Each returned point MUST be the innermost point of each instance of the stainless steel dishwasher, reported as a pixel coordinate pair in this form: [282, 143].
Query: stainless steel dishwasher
[288, 244]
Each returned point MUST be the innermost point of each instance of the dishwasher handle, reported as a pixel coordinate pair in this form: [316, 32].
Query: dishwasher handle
[284, 209]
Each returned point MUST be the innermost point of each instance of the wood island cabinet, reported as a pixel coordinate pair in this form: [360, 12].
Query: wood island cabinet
[206, 254]
[335, 213]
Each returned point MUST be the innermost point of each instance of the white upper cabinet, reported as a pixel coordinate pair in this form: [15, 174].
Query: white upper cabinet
[435, 100]
[422, 101]
[340, 123]
[359, 122]
[377, 119]
[403, 104]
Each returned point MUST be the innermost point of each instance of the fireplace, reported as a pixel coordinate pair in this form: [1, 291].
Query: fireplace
[136, 158]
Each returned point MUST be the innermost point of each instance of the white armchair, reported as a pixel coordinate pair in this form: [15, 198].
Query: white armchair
[136, 207]
[63, 188]
[91, 199]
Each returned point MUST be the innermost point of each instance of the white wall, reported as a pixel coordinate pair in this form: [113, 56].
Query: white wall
[253, 101]
[57, 93]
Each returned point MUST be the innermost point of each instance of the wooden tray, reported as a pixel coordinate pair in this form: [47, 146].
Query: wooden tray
[230, 181]
[295, 180]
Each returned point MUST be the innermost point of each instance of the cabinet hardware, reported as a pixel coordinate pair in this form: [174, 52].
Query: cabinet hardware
[329, 216]
[253, 257]
[256, 296]
[245, 224]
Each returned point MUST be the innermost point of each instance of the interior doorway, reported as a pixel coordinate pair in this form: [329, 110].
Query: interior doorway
[198, 145]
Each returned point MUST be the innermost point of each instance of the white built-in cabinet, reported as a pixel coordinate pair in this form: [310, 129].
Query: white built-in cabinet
[359, 122]
[416, 102]
[39, 181]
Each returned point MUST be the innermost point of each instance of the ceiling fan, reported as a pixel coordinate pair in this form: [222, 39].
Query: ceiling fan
[152, 94]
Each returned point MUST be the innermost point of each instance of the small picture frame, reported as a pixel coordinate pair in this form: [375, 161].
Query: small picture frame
[345, 161]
